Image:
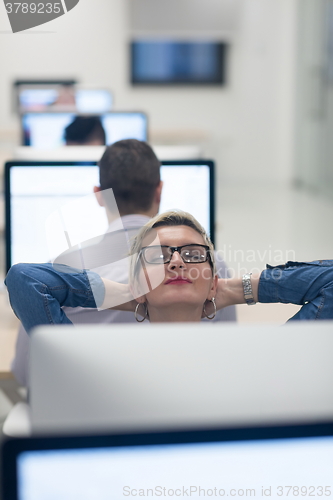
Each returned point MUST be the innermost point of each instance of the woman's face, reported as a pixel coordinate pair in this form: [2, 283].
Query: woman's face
[177, 282]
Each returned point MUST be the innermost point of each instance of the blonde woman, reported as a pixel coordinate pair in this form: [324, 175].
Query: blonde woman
[172, 278]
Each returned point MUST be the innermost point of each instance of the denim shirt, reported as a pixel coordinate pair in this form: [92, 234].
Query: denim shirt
[309, 284]
[38, 291]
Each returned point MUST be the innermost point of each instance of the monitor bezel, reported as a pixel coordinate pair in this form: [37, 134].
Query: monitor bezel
[62, 164]
[12, 448]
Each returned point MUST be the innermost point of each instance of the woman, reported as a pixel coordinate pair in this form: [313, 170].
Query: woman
[172, 278]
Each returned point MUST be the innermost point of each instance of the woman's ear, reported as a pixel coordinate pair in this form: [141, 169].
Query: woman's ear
[137, 294]
[213, 289]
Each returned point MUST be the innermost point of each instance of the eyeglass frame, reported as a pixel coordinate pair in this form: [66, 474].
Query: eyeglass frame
[178, 249]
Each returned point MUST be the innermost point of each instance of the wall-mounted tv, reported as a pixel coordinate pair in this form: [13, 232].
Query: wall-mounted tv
[165, 62]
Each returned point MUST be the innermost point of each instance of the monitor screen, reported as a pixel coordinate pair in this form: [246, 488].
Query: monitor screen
[50, 97]
[37, 99]
[42, 95]
[35, 190]
[93, 100]
[256, 468]
[178, 62]
[47, 130]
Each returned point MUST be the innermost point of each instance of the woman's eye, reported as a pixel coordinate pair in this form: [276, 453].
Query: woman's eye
[191, 256]
[157, 258]
[195, 258]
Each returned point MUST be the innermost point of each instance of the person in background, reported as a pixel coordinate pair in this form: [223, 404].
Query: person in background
[85, 131]
[131, 168]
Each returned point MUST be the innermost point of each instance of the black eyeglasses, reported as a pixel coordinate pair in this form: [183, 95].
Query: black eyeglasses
[162, 254]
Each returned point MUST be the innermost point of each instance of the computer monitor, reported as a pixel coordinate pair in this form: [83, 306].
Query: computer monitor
[86, 100]
[62, 96]
[117, 377]
[275, 462]
[93, 100]
[47, 130]
[41, 95]
[34, 190]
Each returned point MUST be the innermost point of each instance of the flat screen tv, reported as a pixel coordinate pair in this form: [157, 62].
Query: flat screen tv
[164, 62]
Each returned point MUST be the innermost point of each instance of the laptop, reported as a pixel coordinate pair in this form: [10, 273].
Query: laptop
[36, 190]
[47, 130]
[276, 462]
[120, 378]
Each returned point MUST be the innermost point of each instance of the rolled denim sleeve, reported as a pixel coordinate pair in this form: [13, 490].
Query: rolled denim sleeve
[309, 284]
[38, 291]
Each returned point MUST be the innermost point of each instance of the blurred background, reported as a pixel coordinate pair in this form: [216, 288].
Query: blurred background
[267, 120]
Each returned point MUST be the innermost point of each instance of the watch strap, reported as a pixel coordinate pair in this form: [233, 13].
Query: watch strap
[247, 287]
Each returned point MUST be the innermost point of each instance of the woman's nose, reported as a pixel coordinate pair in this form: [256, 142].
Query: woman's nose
[176, 261]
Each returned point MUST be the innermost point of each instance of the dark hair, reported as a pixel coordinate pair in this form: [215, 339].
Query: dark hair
[132, 170]
[85, 129]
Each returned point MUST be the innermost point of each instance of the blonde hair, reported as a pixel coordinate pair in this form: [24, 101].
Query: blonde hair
[169, 218]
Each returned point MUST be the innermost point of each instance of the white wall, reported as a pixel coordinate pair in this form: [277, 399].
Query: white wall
[247, 125]
[314, 118]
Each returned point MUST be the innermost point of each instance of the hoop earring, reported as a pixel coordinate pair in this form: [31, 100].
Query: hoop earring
[137, 310]
[214, 314]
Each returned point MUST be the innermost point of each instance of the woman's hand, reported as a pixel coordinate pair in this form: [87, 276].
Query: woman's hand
[118, 296]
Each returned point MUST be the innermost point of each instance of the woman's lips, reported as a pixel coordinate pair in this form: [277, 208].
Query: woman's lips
[178, 281]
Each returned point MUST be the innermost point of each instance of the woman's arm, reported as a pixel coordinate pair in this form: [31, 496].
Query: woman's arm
[309, 284]
[37, 292]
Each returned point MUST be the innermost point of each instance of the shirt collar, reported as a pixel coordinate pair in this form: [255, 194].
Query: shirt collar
[128, 221]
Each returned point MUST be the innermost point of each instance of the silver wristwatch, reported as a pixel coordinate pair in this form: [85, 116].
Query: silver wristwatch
[247, 287]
